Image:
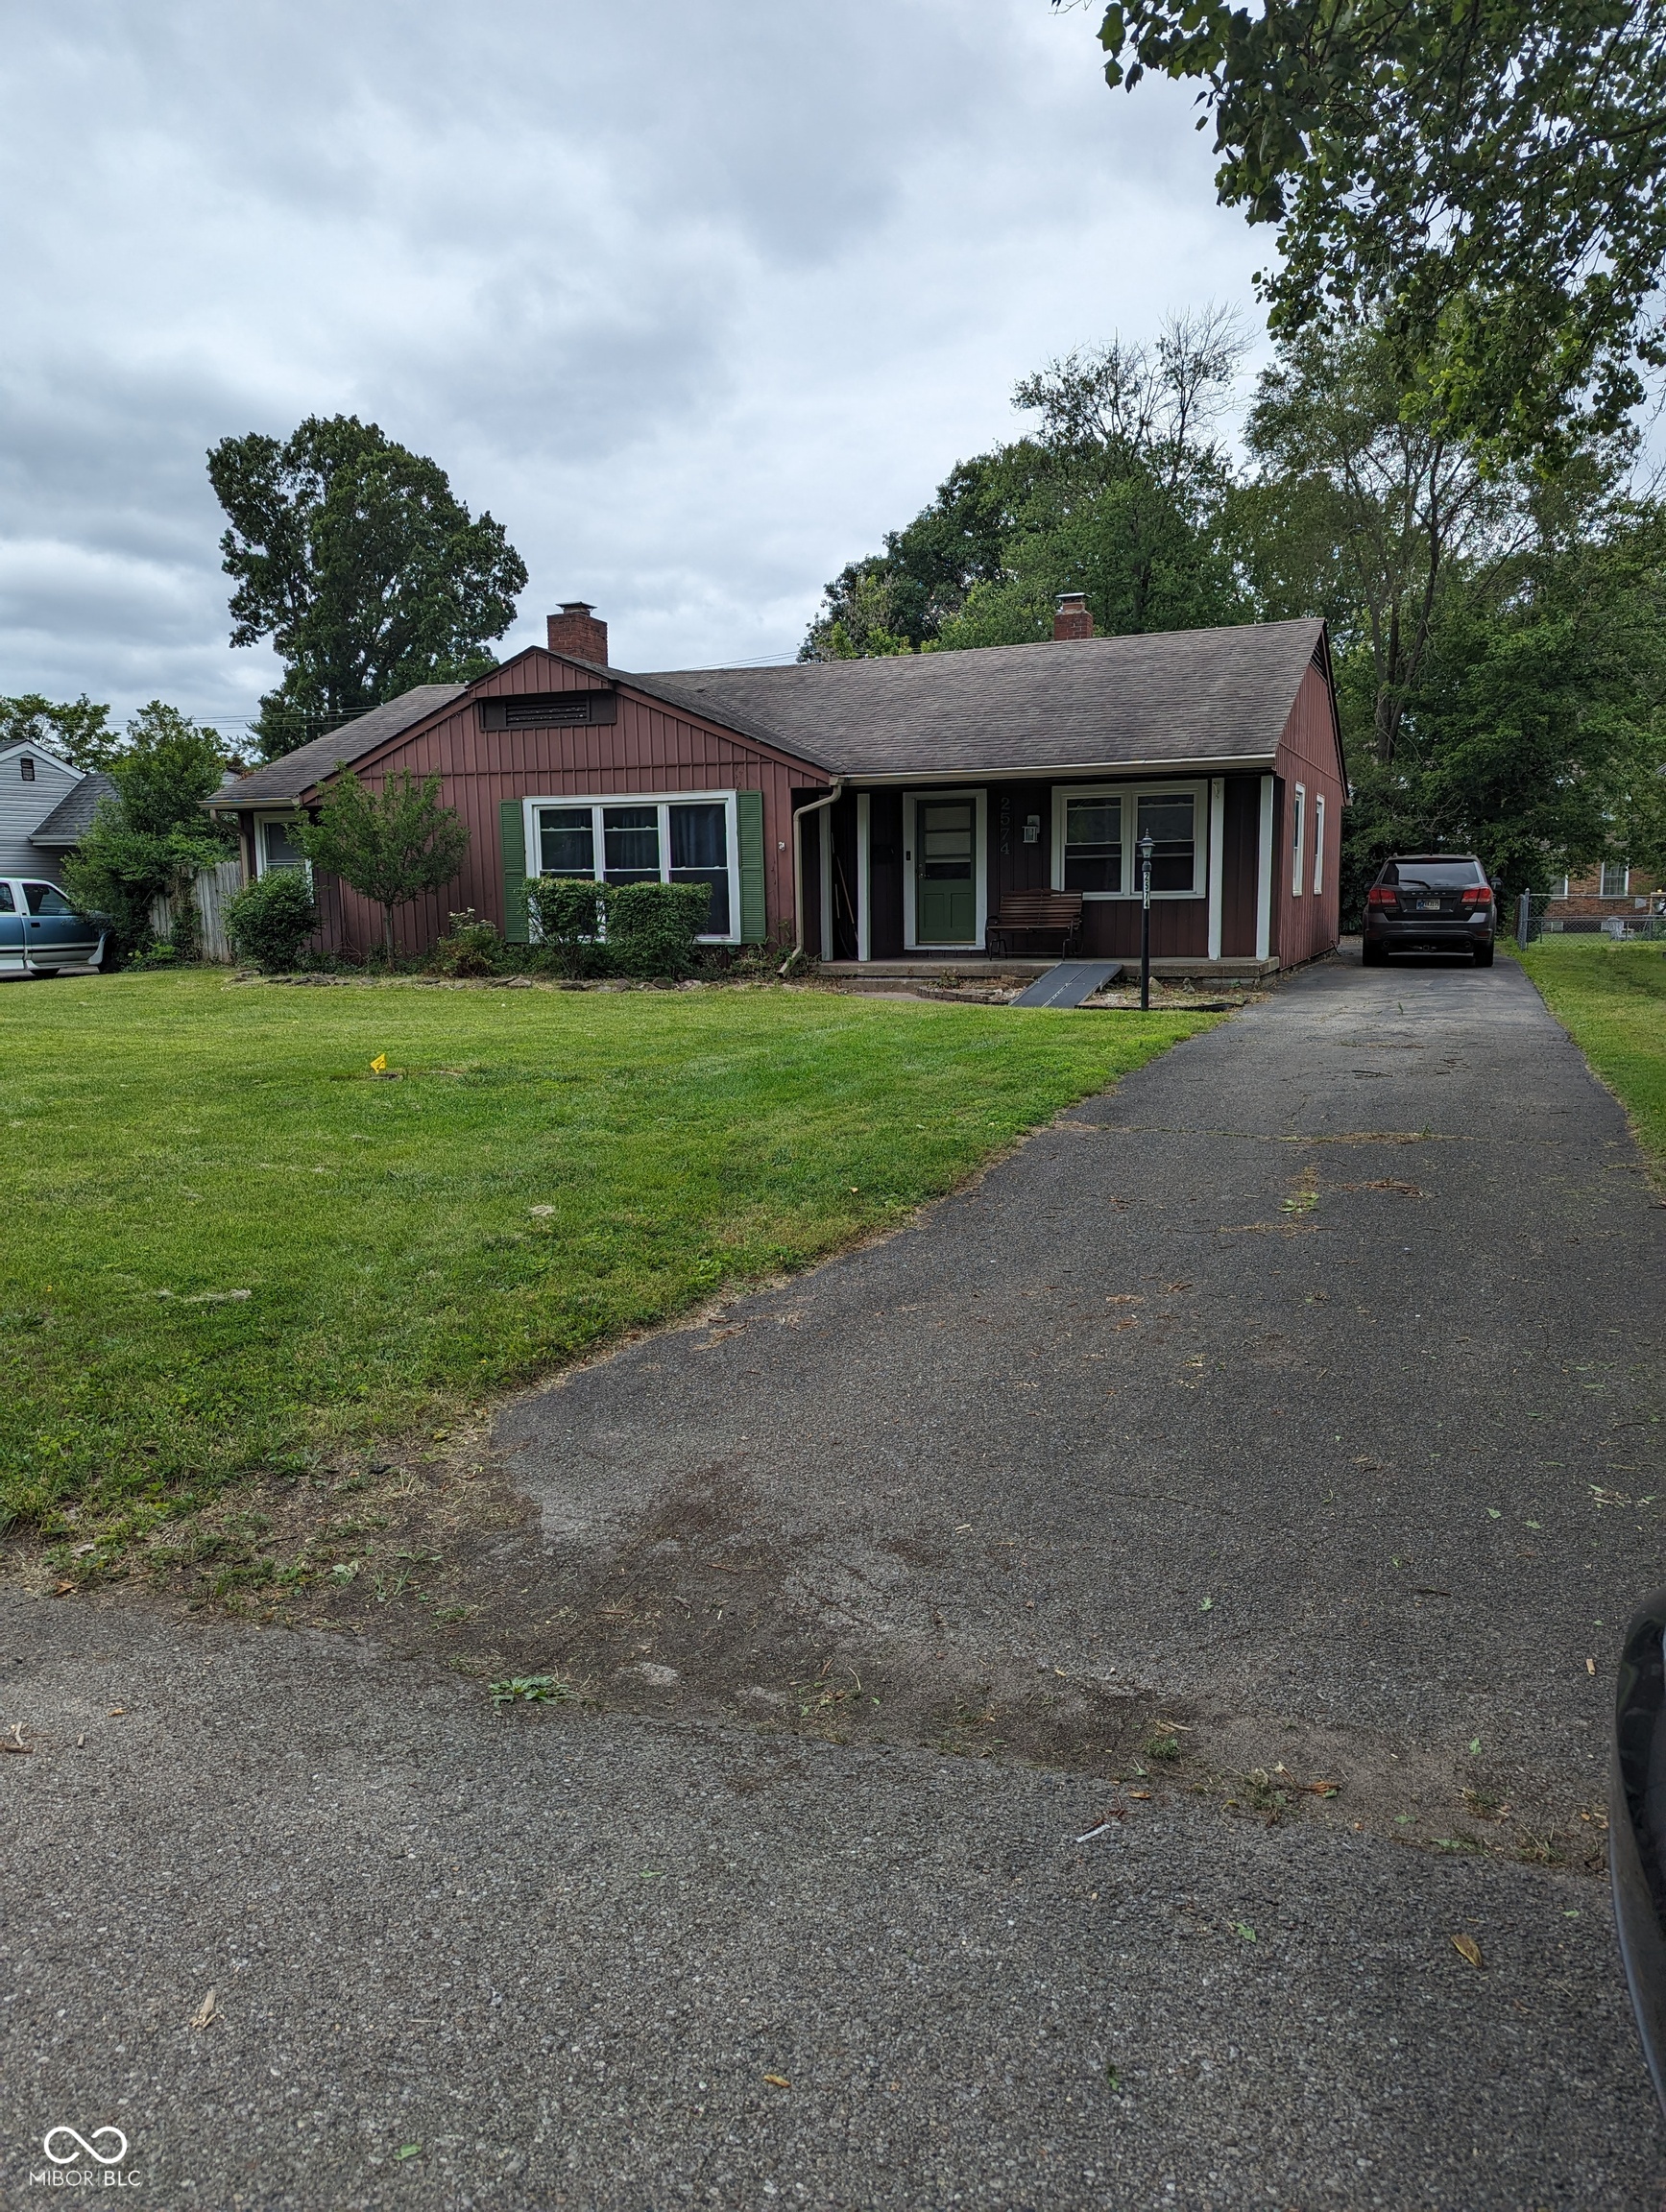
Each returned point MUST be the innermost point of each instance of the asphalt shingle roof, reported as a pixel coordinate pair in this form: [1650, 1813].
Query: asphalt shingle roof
[71, 818]
[1177, 695]
[1174, 696]
[281, 782]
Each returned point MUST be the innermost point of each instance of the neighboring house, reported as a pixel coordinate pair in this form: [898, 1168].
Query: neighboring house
[36, 790]
[69, 821]
[882, 806]
[1612, 896]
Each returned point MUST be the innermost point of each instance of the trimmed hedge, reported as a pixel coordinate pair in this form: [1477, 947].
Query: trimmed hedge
[640, 930]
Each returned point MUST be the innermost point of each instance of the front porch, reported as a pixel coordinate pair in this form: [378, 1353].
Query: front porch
[926, 967]
[904, 882]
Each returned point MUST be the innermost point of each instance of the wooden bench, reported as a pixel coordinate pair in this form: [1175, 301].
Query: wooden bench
[1036, 914]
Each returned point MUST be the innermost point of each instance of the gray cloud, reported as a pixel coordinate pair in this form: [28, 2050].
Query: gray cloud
[698, 301]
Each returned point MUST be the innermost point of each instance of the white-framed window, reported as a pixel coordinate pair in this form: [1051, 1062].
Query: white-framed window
[644, 837]
[1319, 843]
[1558, 887]
[1616, 880]
[1097, 829]
[1298, 835]
[274, 844]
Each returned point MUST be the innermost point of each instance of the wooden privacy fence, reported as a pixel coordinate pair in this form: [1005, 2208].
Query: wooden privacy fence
[213, 887]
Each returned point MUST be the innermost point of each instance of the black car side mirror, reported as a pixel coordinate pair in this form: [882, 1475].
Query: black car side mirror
[1637, 1826]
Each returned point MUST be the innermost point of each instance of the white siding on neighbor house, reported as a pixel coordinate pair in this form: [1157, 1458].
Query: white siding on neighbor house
[24, 806]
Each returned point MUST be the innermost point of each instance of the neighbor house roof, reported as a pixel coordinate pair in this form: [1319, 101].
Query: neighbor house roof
[1177, 695]
[281, 782]
[71, 818]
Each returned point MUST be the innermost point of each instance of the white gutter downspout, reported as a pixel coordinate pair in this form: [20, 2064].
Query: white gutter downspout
[799, 819]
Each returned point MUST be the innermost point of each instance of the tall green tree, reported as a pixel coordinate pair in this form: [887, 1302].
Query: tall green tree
[353, 556]
[153, 837]
[1486, 177]
[75, 730]
[1362, 508]
[390, 845]
[1121, 494]
[1536, 734]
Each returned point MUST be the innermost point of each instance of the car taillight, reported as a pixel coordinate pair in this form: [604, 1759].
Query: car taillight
[1382, 895]
[1479, 896]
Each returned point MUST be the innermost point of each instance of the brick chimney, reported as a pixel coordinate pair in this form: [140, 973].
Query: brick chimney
[575, 630]
[1071, 617]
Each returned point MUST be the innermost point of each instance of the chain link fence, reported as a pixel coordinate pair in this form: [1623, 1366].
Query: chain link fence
[1535, 915]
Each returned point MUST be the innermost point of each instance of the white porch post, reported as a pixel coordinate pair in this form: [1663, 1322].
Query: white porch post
[1216, 858]
[825, 818]
[1264, 876]
[862, 953]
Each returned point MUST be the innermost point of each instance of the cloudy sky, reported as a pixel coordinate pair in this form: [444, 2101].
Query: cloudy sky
[696, 299]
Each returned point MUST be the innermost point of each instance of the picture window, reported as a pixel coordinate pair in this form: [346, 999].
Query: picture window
[1097, 833]
[644, 841]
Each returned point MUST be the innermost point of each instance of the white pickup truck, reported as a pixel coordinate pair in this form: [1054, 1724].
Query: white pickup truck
[41, 932]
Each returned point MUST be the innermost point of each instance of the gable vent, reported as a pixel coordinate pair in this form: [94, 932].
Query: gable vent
[550, 711]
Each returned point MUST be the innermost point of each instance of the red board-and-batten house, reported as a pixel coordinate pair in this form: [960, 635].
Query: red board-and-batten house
[879, 809]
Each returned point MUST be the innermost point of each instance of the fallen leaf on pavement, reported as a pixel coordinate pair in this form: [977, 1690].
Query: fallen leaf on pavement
[1590, 1666]
[205, 2011]
[1466, 1947]
[777, 2080]
[1146, 1794]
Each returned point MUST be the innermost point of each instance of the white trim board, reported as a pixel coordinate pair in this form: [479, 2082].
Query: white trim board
[1217, 860]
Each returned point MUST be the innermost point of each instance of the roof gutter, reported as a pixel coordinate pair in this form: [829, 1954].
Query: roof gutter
[1052, 772]
[798, 820]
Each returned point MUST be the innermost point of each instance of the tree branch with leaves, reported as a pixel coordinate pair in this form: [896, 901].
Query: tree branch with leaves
[390, 845]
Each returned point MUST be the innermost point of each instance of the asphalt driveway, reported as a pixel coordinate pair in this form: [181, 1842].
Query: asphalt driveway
[1251, 1476]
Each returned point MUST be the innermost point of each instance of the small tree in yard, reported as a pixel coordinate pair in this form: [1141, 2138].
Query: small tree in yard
[390, 845]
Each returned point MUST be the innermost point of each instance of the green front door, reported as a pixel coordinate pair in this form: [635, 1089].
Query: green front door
[945, 877]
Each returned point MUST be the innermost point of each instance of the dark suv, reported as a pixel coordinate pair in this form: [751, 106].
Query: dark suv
[1430, 902]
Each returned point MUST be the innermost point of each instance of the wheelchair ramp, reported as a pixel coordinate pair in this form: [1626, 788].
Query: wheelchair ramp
[1070, 983]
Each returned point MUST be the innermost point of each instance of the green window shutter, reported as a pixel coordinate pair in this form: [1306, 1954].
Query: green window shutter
[749, 827]
[512, 836]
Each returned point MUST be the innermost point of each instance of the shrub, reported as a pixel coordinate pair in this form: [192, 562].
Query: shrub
[569, 915]
[469, 948]
[268, 921]
[159, 954]
[643, 929]
[652, 926]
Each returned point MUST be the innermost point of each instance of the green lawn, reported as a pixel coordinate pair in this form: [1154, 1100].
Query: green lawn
[229, 1245]
[1612, 999]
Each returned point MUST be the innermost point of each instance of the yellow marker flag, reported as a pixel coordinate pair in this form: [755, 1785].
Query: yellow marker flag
[379, 1065]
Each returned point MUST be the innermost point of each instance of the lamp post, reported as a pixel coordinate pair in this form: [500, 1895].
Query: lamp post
[1147, 846]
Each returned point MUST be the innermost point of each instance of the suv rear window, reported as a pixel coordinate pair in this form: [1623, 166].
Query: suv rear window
[1435, 875]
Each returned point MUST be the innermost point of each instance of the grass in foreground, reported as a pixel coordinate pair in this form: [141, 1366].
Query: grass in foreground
[228, 1245]
[1611, 998]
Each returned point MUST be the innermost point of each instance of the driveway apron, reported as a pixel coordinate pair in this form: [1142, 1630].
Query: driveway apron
[974, 1633]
